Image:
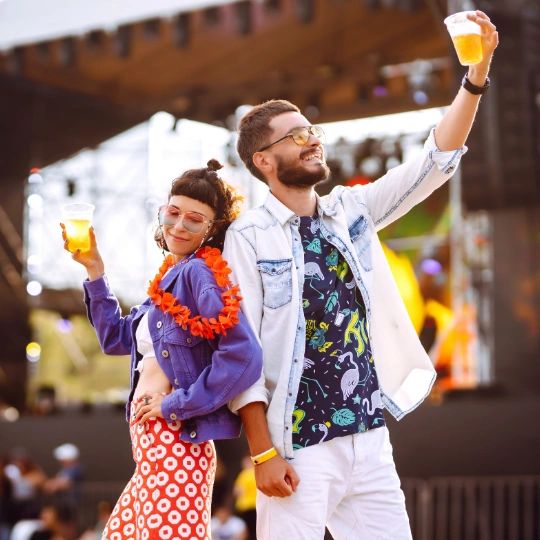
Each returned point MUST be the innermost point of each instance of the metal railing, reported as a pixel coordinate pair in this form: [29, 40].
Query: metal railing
[452, 508]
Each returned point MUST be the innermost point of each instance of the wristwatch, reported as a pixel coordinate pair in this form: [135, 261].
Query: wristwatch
[472, 88]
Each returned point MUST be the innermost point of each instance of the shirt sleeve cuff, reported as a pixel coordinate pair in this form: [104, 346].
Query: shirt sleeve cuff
[97, 287]
[168, 408]
[446, 160]
[249, 396]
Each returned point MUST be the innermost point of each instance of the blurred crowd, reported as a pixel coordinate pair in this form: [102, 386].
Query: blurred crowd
[34, 506]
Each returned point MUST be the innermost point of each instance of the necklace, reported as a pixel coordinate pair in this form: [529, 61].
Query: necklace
[226, 319]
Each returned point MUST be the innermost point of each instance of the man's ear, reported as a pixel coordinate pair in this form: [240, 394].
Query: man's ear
[262, 162]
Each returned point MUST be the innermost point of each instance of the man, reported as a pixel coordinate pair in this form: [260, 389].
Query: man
[338, 344]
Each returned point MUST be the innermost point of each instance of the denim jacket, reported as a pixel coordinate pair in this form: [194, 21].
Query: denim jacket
[265, 251]
[204, 374]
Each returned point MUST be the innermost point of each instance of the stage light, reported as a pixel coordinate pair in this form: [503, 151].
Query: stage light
[35, 176]
[420, 97]
[35, 201]
[34, 288]
[243, 17]
[67, 52]
[305, 10]
[152, 29]
[181, 30]
[64, 325]
[122, 41]
[33, 351]
[33, 263]
[431, 267]
[10, 414]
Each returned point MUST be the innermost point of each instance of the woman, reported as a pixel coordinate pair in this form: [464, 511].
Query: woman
[191, 352]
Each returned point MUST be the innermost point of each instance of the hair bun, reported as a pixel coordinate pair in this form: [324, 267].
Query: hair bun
[214, 165]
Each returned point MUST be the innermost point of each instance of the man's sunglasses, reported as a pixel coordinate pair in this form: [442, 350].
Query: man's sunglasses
[300, 136]
[193, 222]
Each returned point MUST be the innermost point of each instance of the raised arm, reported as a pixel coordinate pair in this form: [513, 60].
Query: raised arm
[103, 310]
[453, 129]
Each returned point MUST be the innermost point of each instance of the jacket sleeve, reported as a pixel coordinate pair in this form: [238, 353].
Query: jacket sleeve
[406, 185]
[235, 365]
[103, 310]
[240, 254]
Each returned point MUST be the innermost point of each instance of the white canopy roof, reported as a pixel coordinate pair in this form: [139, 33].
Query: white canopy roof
[29, 21]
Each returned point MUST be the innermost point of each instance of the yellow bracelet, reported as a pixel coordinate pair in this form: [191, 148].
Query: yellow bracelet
[264, 456]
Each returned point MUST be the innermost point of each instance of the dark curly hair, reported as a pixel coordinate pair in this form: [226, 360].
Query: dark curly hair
[206, 186]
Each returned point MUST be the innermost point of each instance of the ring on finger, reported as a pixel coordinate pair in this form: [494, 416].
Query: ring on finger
[146, 400]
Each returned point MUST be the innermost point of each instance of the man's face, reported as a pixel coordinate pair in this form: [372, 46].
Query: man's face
[300, 166]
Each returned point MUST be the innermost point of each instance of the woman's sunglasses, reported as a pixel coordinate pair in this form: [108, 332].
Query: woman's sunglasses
[193, 222]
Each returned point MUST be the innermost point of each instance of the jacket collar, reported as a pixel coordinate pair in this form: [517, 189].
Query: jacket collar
[283, 213]
[172, 275]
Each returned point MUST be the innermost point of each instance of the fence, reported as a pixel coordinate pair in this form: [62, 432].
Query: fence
[453, 508]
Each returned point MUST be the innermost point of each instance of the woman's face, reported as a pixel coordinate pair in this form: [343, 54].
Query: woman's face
[186, 223]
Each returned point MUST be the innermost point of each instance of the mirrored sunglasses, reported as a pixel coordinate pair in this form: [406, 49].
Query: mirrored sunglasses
[193, 222]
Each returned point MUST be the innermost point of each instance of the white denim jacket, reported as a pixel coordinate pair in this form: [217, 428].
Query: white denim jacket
[265, 251]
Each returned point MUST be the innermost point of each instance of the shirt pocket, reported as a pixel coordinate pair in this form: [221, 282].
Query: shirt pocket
[360, 237]
[277, 282]
[188, 353]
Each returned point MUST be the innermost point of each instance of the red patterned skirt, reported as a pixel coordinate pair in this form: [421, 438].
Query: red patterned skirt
[170, 492]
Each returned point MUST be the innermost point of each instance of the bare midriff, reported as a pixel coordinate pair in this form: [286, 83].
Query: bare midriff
[152, 379]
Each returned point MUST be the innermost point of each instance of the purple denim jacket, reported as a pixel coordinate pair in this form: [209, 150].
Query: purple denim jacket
[204, 374]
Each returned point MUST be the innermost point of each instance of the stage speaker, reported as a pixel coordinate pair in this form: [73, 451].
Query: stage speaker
[501, 169]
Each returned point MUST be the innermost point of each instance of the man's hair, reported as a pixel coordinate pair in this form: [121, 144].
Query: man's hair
[254, 130]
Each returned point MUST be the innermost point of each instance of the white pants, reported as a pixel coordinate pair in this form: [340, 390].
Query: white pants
[349, 484]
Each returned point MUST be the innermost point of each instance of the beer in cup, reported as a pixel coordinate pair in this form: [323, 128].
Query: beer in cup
[467, 37]
[77, 218]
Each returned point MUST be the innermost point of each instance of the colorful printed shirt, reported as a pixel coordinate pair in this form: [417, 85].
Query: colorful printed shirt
[339, 392]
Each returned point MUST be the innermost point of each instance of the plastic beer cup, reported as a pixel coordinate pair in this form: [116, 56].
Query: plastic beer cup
[466, 36]
[77, 219]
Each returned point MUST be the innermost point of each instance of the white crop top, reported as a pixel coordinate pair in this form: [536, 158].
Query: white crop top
[144, 342]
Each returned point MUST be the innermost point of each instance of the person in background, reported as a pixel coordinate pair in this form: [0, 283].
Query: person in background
[104, 511]
[57, 522]
[27, 481]
[66, 484]
[227, 526]
[192, 351]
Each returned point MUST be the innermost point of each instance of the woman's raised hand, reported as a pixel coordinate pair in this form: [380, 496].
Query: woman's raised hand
[90, 259]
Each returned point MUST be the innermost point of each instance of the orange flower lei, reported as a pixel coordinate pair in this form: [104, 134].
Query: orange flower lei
[200, 326]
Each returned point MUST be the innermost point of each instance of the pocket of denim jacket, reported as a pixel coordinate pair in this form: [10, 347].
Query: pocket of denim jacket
[177, 336]
[360, 237]
[276, 278]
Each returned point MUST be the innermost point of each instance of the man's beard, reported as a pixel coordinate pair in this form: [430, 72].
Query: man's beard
[294, 175]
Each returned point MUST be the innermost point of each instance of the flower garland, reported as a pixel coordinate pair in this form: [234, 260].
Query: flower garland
[198, 325]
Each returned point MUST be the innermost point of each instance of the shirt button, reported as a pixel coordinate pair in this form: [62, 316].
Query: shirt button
[159, 324]
[173, 416]
[193, 434]
[176, 382]
[165, 354]
[189, 340]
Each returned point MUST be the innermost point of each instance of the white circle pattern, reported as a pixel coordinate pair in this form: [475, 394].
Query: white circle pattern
[167, 496]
